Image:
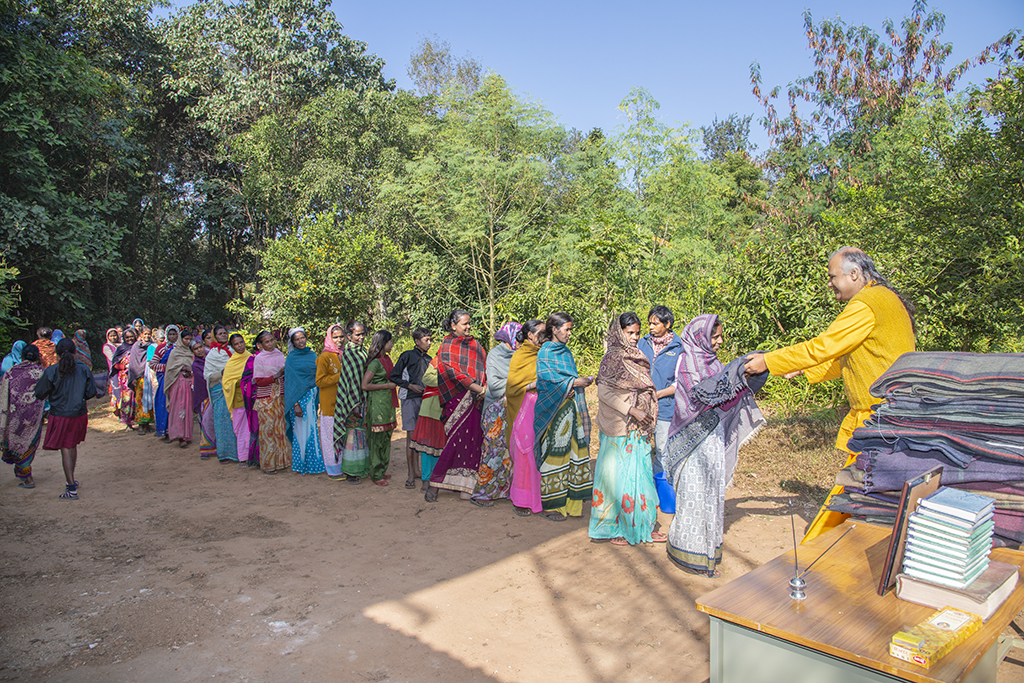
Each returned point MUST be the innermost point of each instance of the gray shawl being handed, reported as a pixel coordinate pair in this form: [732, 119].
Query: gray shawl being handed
[727, 398]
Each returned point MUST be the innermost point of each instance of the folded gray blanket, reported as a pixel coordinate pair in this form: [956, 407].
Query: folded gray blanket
[934, 373]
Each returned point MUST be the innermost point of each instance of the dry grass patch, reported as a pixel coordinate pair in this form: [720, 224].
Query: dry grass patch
[792, 454]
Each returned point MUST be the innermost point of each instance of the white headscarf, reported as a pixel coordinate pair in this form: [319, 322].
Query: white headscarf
[291, 333]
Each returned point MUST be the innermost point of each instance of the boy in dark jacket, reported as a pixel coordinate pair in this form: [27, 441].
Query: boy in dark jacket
[408, 375]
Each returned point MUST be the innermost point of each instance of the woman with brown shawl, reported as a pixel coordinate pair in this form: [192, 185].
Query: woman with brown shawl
[623, 508]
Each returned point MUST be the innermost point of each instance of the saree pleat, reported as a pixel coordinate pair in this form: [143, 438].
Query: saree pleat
[143, 415]
[355, 454]
[525, 487]
[207, 439]
[624, 495]
[275, 452]
[179, 410]
[224, 431]
[161, 411]
[23, 461]
[459, 461]
[695, 536]
[565, 469]
[494, 476]
[331, 458]
[243, 437]
[305, 442]
[125, 409]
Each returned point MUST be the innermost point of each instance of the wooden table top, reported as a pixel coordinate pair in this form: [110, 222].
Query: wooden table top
[843, 615]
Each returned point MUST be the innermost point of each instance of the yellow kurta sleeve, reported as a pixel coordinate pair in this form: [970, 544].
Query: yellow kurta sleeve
[819, 357]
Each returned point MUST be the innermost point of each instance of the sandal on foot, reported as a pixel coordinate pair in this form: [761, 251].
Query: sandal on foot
[410, 483]
[26, 485]
[243, 464]
[352, 480]
[70, 493]
[553, 516]
[659, 537]
[522, 512]
[182, 444]
[204, 456]
[382, 482]
[620, 541]
[431, 495]
[482, 503]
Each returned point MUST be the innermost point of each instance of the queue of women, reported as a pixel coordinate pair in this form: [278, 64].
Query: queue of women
[509, 424]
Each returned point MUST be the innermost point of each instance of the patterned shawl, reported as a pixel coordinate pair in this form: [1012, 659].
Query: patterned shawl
[508, 333]
[299, 375]
[350, 391]
[200, 392]
[13, 358]
[21, 413]
[625, 367]
[179, 360]
[233, 376]
[47, 350]
[82, 352]
[556, 373]
[460, 362]
[697, 361]
[522, 370]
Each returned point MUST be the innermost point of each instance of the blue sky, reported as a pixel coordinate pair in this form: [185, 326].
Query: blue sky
[579, 60]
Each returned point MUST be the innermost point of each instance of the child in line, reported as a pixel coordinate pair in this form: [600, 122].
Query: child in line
[408, 375]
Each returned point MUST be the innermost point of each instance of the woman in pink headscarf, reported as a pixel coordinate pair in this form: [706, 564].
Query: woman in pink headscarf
[328, 374]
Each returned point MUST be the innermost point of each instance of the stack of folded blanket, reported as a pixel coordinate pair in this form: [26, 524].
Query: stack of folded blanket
[963, 411]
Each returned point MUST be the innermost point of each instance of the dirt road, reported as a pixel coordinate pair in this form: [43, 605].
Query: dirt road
[170, 568]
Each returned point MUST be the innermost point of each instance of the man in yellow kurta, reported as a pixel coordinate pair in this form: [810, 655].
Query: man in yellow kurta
[873, 331]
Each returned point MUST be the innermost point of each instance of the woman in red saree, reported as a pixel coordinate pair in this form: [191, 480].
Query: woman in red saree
[461, 383]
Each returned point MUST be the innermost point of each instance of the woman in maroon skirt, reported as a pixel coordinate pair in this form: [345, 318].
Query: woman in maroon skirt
[461, 365]
[68, 384]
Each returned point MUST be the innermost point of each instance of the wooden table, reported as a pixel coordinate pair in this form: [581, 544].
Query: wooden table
[841, 631]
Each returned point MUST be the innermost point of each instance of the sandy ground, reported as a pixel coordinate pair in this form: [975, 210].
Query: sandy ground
[170, 568]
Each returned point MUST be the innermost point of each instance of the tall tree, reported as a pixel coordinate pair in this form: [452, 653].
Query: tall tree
[728, 136]
[858, 87]
[434, 70]
[478, 191]
[72, 108]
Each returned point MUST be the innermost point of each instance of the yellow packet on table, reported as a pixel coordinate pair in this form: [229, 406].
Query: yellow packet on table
[935, 637]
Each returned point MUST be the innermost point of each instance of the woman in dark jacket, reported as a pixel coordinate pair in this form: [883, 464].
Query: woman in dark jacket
[68, 384]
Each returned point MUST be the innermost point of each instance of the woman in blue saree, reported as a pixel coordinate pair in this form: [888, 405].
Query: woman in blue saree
[301, 398]
[561, 425]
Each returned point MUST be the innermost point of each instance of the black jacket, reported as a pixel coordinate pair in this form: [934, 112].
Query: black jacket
[67, 395]
[412, 363]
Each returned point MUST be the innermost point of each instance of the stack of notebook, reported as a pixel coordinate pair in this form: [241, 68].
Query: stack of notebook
[949, 538]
